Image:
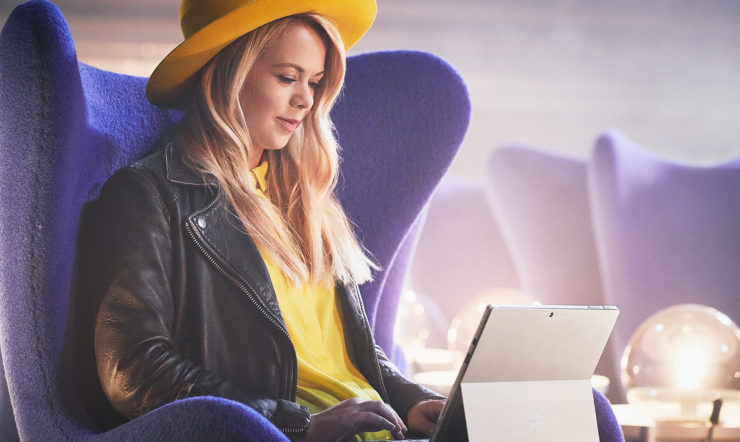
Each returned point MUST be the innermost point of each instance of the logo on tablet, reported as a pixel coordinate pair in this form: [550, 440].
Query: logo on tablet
[534, 418]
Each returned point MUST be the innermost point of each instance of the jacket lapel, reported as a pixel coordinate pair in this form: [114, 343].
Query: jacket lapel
[234, 253]
[219, 234]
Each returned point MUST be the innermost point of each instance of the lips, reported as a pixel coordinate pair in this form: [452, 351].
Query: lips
[288, 123]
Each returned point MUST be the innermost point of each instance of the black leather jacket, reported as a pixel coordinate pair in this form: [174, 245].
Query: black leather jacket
[188, 308]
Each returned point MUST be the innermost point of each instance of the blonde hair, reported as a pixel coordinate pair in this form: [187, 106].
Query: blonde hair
[302, 226]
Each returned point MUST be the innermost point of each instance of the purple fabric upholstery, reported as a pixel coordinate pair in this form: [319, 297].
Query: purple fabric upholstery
[541, 201]
[667, 233]
[413, 135]
[66, 127]
[59, 143]
[460, 253]
[606, 421]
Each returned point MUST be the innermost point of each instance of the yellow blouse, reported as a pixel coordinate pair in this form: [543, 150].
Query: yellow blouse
[326, 375]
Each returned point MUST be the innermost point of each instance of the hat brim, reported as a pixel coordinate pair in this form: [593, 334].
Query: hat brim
[172, 79]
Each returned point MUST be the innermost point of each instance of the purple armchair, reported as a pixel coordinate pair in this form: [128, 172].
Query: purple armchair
[65, 127]
[667, 233]
[541, 200]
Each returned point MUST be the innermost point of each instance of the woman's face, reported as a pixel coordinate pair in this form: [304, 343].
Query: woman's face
[279, 90]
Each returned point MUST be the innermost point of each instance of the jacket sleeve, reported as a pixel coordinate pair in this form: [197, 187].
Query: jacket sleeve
[138, 363]
[403, 392]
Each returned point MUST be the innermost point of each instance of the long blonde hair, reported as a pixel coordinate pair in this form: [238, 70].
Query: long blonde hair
[302, 226]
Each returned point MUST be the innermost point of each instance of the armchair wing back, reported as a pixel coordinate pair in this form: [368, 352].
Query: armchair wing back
[399, 139]
[668, 233]
[541, 201]
[65, 127]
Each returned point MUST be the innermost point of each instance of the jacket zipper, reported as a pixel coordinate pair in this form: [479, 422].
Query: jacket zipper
[252, 297]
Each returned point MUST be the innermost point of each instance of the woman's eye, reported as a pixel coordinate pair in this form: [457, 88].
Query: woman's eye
[315, 84]
[285, 79]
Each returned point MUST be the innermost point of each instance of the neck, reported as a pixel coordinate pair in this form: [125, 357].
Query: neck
[255, 158]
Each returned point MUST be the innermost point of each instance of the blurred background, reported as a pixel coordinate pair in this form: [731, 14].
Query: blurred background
[552, 73]
[548, 73]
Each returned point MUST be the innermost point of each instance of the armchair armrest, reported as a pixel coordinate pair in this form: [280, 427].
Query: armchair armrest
[606, 420]
[196, 419]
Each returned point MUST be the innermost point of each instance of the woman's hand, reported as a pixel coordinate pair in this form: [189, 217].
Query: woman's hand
[344, 420]
[423, 415]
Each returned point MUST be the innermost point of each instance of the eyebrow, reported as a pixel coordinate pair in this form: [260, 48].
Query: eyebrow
[297, 68]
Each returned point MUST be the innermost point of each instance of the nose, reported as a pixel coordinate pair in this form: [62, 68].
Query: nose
[302, 97]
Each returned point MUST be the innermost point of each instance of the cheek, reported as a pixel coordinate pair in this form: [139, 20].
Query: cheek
[261, 103]
[254, 109]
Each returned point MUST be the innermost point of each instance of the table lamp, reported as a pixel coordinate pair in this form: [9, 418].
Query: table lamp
[682, 368]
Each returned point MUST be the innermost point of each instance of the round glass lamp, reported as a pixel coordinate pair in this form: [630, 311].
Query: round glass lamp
[680, 360]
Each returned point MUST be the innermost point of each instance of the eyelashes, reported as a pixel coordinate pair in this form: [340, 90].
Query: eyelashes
[289, 80]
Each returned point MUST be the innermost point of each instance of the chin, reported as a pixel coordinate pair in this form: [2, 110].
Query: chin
[278, 147]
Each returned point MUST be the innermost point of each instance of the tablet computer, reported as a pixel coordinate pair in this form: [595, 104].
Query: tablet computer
[527, 375]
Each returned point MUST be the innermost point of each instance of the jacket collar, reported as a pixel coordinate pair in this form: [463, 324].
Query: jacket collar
[179, 173]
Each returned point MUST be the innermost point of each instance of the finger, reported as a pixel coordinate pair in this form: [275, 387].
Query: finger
[424, 415]
[389, 413]
[424, 424]
[370, 421]
[400, 426]
[433, 409]
[384, 410]
[429, 428]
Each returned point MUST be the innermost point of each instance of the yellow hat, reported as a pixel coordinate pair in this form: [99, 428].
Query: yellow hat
[210, 25]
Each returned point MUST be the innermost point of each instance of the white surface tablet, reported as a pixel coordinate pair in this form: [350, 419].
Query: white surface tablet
[527, 375]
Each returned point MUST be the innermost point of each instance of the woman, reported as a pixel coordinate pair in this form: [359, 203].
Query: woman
[230, 269]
